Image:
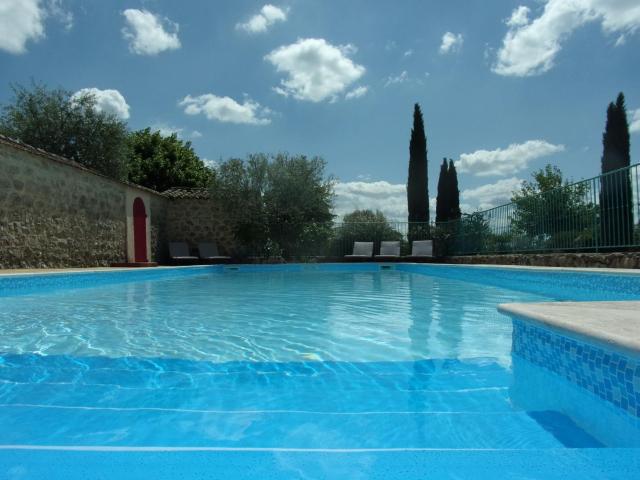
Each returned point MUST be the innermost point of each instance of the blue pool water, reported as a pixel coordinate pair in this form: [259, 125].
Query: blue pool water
[333, 371]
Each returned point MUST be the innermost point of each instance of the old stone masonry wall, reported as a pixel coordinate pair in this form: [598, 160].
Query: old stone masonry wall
[54, 213]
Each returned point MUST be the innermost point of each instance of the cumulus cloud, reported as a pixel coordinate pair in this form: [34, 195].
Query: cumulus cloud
[634, 124]
[261, 21]
[505, 161]
[395, 79]
[147, 32]
[196, 134]
[108, 101]
[316, 70]
[490, 195]
[357, 92]
[531, 47]
[21, 21]
[451, 43]
[387, 197]
[226, 109]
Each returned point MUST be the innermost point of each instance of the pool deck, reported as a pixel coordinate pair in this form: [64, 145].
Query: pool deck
[616, 324]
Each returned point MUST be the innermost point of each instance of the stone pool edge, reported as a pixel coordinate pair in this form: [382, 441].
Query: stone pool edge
[612, 324]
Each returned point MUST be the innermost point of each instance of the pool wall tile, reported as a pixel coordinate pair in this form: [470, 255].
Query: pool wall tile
[608, 374]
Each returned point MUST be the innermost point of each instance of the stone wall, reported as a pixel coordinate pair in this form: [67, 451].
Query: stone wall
[198, 220]
[587, 260]
[55, 213]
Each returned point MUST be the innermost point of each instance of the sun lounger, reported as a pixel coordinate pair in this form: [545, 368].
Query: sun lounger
[389, 250]
[209, 251]
[179, 252]
[421, 249]
[361, 250]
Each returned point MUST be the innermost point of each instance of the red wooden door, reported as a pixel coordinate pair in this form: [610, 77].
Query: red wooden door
[139, 231]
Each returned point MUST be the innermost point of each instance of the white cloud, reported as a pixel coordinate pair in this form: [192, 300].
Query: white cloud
[490, 195]
[196, 134]
[531, 47]
[505, 161]
[146, 32]
[519, 17]
[21, 21]
[260, 22]
[408, 53]
[395, 79]
[357, 92]
[210, 163]
[226, 109]
[387, 197]
[56, 9]
[451, 43]
[108, 101]
[634, 125]
[167, 130]
[316, 69]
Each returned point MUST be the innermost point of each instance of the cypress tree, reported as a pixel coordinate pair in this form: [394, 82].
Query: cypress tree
[442, 204]
[616, 200]
[417, 183]
[454, 192]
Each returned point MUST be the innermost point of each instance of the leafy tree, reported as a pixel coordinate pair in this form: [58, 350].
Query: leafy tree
[552, 212]
[616, 198]
[417, 183]
[55, 121]
[298, 201]
[363, 226]
[448, 199]
[279, 205]
[237, 188]
[160, 162]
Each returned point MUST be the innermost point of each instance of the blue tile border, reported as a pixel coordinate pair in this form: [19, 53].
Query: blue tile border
[612, 376]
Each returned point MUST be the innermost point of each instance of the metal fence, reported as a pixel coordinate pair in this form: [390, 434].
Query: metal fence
[598, 214]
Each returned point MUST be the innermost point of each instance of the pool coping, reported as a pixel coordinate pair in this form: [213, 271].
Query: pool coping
[611, 324]
[63, 271]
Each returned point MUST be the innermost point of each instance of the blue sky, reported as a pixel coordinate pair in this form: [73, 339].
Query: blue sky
[505, 86]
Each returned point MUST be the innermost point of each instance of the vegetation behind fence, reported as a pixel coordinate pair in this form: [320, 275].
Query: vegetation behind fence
[601, 213]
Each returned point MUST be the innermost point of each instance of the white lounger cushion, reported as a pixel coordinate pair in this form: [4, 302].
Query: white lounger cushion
[362, 249]
[389, 249]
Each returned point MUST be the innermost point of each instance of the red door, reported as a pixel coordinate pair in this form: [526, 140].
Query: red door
[139, 231]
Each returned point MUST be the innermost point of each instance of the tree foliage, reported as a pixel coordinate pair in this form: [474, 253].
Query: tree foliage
[160, 162]
[448, 199]
[279, 205]
[616, 197]
[417, 183]
[55, 121]
[552, 211]
[365, 226]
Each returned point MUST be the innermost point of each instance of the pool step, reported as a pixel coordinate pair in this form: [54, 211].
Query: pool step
[131, 402]
[283, 429]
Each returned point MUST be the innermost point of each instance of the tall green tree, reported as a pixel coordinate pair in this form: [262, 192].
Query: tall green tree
[454, 192]
[448, 199]
[616, 198]
[417, 183]
[71, 126]
[442, 200]
[160, 162]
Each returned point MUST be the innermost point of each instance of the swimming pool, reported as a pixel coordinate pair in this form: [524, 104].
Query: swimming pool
[296, 371]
